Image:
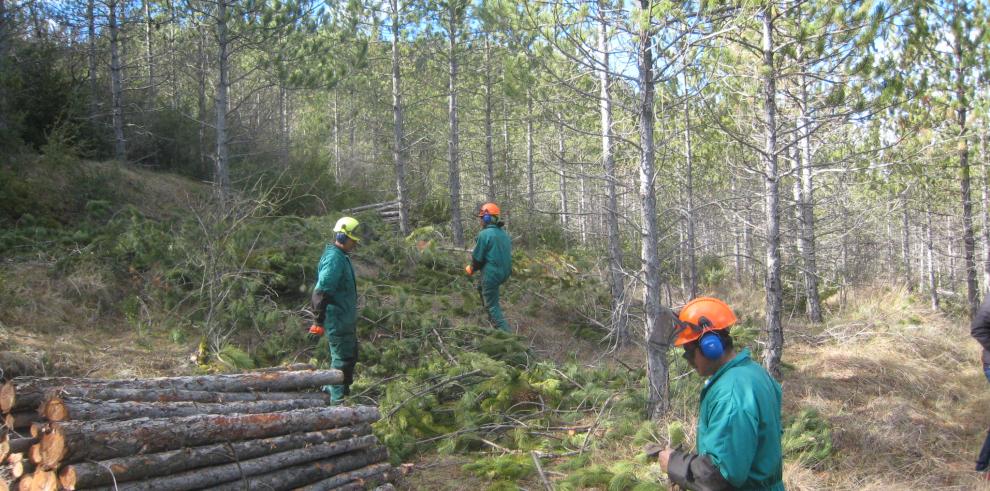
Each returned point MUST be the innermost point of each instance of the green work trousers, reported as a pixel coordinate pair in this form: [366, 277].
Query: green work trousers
[489, 297]
[343, 357]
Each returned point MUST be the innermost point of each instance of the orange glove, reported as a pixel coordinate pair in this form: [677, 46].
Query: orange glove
[469, 270]
[316, 330]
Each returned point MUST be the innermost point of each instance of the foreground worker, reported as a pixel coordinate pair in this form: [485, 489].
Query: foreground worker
[493, 257]
[980, 329]
[335, 305]
[739, 418]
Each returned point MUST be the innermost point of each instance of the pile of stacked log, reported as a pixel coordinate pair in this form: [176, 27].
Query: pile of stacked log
[258, 430]
[388, 210]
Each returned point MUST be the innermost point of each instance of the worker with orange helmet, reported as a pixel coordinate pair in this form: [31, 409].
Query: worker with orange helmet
[738, 437]
[492, 256]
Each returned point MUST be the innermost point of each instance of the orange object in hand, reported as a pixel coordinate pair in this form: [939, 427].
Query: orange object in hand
[316, 329]
[469, 270]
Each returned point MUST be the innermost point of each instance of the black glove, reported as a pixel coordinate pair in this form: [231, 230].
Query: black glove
[315, 333]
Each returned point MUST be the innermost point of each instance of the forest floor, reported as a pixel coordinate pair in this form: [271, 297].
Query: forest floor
[899, 386]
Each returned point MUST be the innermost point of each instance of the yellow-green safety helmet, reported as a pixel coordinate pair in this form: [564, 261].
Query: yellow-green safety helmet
[347, 226]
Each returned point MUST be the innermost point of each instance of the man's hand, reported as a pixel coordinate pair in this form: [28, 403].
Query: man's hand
[315, 332]
[469, 270]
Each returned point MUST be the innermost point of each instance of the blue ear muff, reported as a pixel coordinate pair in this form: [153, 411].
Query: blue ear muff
[486, 218]
[342, 238]
[711, 346]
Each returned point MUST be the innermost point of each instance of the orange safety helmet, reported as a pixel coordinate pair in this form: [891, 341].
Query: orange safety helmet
[701, 315]
[489, 209]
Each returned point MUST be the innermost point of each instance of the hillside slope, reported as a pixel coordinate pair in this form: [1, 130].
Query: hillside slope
[885, 395]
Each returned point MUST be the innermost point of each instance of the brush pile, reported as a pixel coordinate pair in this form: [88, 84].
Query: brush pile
[258, 430]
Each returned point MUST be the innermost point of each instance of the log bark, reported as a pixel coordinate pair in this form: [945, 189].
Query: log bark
[301, 475]
[261, 466]
[21, 420]
[28, 392]
[372, 473]
[71, 442]
[21, 445]
[106, 472]
[73, 409]
[168, 395]
[34, 454]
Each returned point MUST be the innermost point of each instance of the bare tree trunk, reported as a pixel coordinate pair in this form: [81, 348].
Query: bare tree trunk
[906, 238]
[774, 300]
[930, 246]
[969, 239]
[94, 91]
[807, 210]
[149, 52]
[489, 152]
[507, 147]
[283, 123]
[116, 84]
[616, 278]
[399, 149]
[737, 244]
[562, 173]
[658, 333]
[985, 152]
[583, 205]
[531, 193]
[336, 136]
[222, 176]
[455, 172]
[689, 192]
[201, 98]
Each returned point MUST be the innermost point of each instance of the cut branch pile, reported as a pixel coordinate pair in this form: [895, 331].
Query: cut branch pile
[259, 430]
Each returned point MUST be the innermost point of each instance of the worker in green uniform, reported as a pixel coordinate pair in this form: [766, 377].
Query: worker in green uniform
[493, 257]
[738, 445]
[334, 303]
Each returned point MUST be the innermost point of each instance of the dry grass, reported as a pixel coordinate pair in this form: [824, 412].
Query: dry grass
[71, 326]
[902, 388]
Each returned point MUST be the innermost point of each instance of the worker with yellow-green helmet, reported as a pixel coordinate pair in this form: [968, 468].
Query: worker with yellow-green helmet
[334, 303]
[492, 256]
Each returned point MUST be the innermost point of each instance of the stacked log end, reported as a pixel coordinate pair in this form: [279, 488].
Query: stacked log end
[268, 429]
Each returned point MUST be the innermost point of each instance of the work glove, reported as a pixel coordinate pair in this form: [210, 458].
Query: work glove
[469, 270]
[315, 332]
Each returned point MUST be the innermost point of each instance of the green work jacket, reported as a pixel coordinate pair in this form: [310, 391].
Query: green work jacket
[335, 293]
[739, 425]
[493, 254]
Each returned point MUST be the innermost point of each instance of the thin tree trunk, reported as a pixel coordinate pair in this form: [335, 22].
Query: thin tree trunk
[149, 52]
[616, 278]
[774, 292]
[531, 193]
[562, 173]
[116, 84]
[454, 170]
[807, 210]
[399, 149]
[201, 99]
[489, 152]
[222, 175]
[930, 247]
[969, 239]
[583, 205]
[658, 332]
[336, 136]
[985, 152]
[689, 195]
[283, 123]
[94, 91]
[906, 238]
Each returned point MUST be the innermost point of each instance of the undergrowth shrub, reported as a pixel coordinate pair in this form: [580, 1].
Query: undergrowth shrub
[807, 439]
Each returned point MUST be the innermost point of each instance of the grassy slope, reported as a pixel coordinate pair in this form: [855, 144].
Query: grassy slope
[901, 386]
